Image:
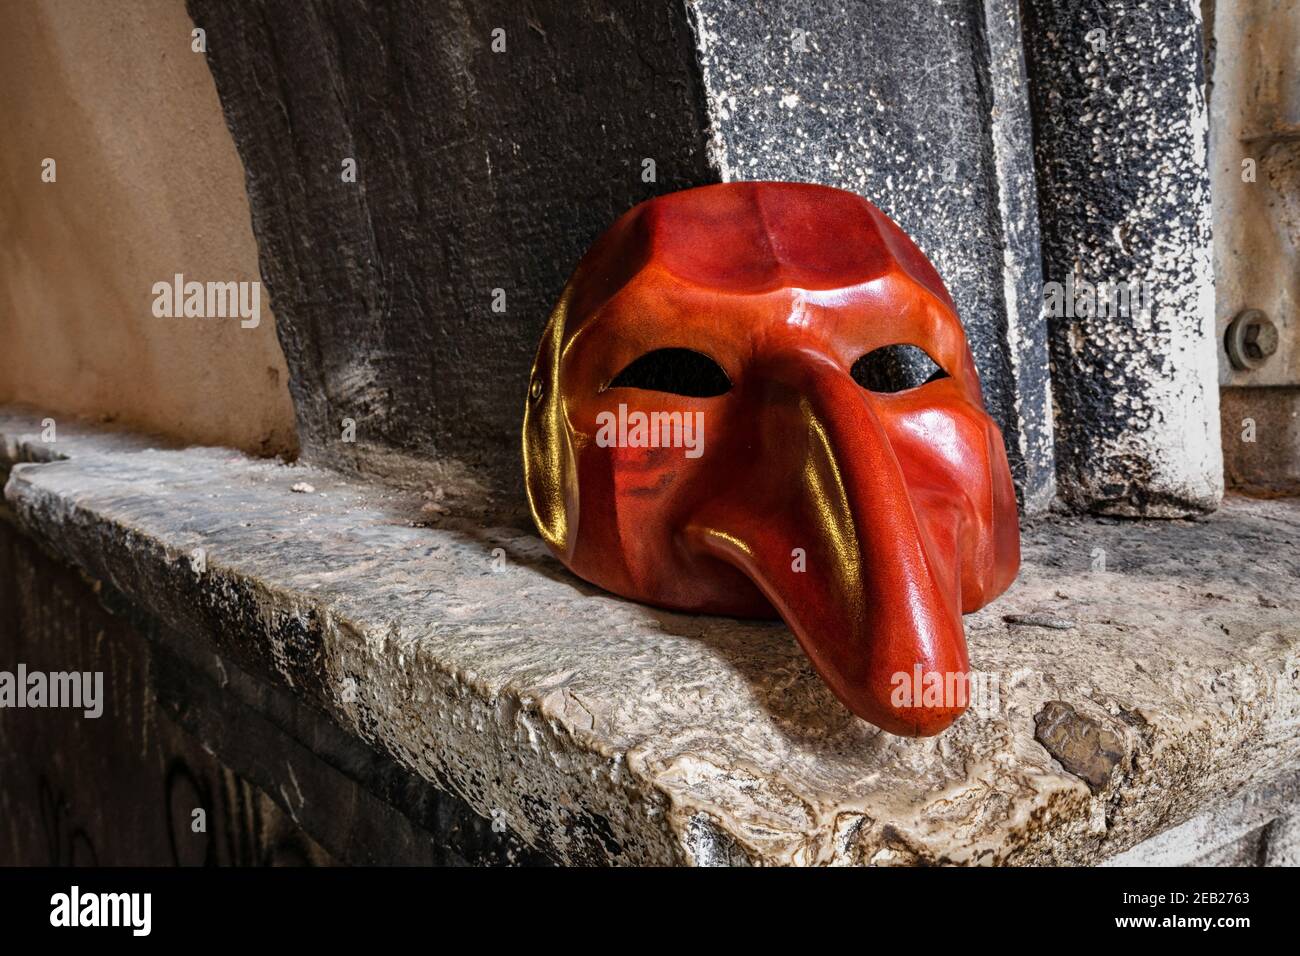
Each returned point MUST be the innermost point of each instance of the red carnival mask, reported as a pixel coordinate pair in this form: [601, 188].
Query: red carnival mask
[731, 413]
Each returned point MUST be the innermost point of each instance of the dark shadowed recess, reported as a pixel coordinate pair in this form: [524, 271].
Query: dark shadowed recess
[675, 371]
[896, 368]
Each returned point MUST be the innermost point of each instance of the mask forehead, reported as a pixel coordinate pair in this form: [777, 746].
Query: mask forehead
[756, 239]
[817, 255]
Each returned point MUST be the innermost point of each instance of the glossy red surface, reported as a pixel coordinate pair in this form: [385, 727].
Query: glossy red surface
[869, 521]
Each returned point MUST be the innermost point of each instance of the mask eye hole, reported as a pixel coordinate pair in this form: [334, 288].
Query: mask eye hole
[896, 368]
[676, 371]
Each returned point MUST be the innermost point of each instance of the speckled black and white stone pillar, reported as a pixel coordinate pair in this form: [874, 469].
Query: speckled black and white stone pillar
[922, 110]
[1120, 130]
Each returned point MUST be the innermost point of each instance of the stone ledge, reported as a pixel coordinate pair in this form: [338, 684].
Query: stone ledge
[22, 438]
[605, 731]
[1258, 827]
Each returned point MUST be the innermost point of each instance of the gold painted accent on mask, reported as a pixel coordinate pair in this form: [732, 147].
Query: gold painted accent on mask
[733, 543]
[834, 517]
[550, 471]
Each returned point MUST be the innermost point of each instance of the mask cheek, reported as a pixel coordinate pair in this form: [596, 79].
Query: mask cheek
[948, 464]
[635, 498]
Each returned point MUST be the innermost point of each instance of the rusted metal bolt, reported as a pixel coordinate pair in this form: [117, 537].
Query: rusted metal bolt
[1250, 340]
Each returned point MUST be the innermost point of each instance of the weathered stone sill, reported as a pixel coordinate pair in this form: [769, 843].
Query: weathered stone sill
[604, 731]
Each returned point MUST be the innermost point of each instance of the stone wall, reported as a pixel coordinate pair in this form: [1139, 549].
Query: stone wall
[146, 184]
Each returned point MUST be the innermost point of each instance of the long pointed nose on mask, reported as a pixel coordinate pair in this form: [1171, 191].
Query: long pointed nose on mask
[831, 537]
[769, 481]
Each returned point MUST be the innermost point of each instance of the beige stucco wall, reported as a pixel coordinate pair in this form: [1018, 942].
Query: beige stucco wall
[148, 185]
